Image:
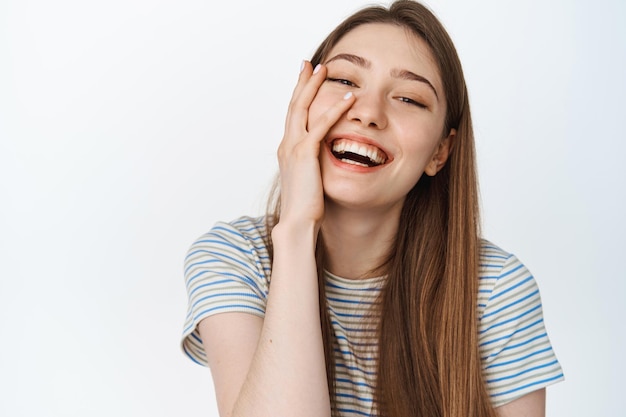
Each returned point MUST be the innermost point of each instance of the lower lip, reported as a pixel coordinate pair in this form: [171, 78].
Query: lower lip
[350, 167]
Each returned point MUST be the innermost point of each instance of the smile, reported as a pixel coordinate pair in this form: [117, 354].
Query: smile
[357, 153]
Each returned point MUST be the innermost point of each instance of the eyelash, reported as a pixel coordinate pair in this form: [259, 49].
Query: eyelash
[412, 102]
[342, 81]
[401, 99]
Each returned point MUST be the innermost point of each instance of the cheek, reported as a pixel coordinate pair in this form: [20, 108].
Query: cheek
[419, 144]
[419, 139]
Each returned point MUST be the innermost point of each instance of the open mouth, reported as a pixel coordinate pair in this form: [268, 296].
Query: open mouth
[357, 153]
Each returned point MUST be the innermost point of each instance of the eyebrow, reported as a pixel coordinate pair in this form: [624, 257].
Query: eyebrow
[396, 73]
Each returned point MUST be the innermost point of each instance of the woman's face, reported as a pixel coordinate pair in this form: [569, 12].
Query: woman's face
[378, 150]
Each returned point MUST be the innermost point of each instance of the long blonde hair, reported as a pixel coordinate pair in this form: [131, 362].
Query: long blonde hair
[428, 357]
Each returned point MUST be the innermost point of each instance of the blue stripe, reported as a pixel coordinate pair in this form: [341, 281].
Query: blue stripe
[349, 329]
[246, 266]
[238, 232]
[352, 343]
[333, 285]
[513, 319]
[210, 261]
[490, 277]
[532, 339]
[246, 219]
[190, 356]
[229, 306]
[343, 300]
[542, 382]
[491, 265]
[255, 228]
[356, 383]
[519, 284]
[488, 245]
[214, 260]
[229, 294]
[358, 316]
[192, 278]
[369, 400]
[239, 280]
[354, 368]
[225, 243]
[235, 232]
[350, 353]
[523, 358]
[193, 252]
[256, 221]
[349, 410]
[223, 281]
[221, 255]
[525, 371]
[486, 255]
[517, 345]
[536, 292]
[483, 277]
[210, 310]
[509, 336]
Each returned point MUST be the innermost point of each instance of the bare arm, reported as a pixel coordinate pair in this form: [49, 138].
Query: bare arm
[530, 405]
[276, 366]
[273, 366]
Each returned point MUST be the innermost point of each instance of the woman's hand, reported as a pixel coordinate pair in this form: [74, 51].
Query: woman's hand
[275, 366]
[302, 193]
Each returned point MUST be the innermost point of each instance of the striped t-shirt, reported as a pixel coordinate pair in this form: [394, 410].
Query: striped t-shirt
[228, 270]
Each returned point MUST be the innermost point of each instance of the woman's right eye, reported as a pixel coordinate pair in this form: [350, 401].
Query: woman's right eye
[341, 81]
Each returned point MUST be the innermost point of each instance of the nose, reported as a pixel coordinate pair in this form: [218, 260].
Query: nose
[368, 110]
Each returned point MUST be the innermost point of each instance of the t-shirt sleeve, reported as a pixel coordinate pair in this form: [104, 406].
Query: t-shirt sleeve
[516, 352]
[225, 271]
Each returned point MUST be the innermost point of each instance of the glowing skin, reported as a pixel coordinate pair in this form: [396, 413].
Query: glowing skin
[399, 110]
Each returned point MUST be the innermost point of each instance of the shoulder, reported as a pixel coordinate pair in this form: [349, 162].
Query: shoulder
[239, 234]
[502, 275]
[239, 239]
[234, 250]
[516, 352]
[226, 269]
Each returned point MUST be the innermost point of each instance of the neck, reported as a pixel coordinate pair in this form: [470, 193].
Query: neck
[358, 241]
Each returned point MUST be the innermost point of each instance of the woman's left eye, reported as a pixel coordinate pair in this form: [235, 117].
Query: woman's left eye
[342, 81]
[412, 102]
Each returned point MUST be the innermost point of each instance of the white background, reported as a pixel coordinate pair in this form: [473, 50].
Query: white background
[128, 127]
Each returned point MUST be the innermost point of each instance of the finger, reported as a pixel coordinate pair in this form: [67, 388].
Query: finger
[306, 70]
[305, 73]
[309, 88]
[320, 127]
[309, 142]
[299, 109]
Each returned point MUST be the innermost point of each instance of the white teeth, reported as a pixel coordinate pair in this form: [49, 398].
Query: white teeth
[368, 151]
[350, 161]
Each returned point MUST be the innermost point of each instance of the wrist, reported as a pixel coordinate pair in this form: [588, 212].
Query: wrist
[294, 234]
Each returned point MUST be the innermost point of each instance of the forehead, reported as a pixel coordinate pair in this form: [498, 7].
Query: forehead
[390, 46]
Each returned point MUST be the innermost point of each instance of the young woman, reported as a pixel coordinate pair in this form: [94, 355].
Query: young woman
[366, 289]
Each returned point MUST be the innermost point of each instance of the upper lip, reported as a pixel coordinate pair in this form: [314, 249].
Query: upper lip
[359, 138]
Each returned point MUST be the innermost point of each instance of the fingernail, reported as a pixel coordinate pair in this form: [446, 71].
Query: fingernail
[302, 65]
[348, 95]
[317, 69]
